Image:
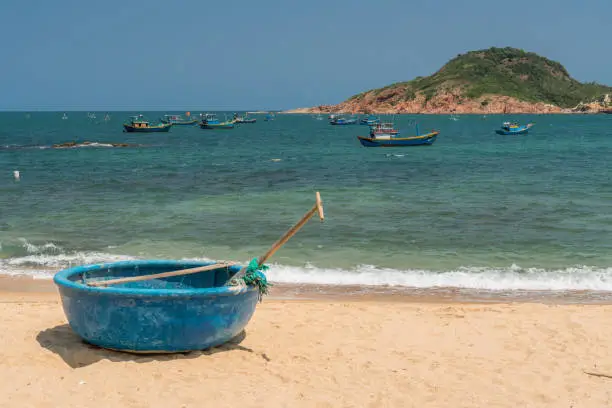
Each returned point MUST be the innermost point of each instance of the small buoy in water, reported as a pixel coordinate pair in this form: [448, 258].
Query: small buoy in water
[16, 174]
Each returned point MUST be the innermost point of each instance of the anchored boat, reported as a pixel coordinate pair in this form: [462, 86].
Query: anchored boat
[243, 119]
[508, 128]
[340, 121]
[211, 121]
[385, 135]
[138, 124]
[178, 120]
[370, 121]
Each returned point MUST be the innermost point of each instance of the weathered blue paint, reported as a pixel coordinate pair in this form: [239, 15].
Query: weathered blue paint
[177, 314]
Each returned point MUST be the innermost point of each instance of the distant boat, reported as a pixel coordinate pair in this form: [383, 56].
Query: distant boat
[319, 117]
[508, 128]
[65, 117]
[243, 119]
[269, 117]
[340, 121]
[106, 117]
[211, 121]
[91, 115]
[137, 124]
[454, 118]
[370, 120]
[385, 135]
[177, 120]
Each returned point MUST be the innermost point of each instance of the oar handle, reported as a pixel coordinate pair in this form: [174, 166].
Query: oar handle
[317, 208]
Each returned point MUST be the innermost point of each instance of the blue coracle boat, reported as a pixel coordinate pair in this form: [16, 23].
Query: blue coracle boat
[165, 315]
[508, 128]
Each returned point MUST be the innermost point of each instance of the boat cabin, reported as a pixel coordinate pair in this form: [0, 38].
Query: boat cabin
[139, 122]
[210, 118]
[383, 131]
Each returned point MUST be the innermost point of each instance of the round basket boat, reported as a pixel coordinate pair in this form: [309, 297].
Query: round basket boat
[175, 314]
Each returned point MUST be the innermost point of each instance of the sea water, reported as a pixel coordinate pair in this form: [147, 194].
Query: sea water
[475, 210]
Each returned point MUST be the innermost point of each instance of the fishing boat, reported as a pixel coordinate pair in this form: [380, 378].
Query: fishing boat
[370, 120]
[385, 135]
[243, 119]
[138, 124]
[211, 121]
[65, 117]
[178, 120]
[509, 128]
[166, 306]
[269, 117]
[341, 121]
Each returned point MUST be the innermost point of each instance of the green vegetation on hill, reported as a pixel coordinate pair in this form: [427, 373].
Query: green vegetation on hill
[500, 71]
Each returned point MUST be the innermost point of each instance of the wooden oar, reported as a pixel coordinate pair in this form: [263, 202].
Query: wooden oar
[317, 208]
[160, 275]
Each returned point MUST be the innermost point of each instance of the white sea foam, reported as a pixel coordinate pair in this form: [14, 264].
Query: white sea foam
[43, 260]
[514, 277]
[483, 278]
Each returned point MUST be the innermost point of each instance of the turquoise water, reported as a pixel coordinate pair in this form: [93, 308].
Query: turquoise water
[474, 210]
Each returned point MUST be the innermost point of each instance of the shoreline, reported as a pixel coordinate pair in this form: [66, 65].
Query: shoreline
[29, 286]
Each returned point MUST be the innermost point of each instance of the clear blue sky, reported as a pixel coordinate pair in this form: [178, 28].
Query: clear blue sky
[269, 54]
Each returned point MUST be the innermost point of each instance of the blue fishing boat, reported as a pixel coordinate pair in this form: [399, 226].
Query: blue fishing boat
[173, 314]
[370, 120]
[269, 117]
[138, 124]
[211, 121]
[178, 120]
[341, 121]
[243, 119]
[385, 135]
[508, 128]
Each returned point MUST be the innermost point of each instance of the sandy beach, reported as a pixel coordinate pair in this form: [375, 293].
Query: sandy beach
[321, 353]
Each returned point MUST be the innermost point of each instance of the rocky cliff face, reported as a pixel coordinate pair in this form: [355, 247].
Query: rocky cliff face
[442, 103]
[497, 80]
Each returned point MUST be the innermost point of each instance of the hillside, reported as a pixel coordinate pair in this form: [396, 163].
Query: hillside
[495, 80]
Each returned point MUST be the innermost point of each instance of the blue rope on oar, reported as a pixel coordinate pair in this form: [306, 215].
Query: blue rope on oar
[254, 276]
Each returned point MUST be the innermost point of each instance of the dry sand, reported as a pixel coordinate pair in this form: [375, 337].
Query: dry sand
[322, 353]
